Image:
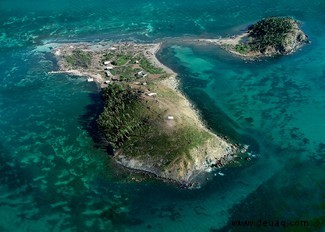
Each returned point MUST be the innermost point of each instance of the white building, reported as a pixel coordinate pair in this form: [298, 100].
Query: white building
[108, 73]
[141, 74]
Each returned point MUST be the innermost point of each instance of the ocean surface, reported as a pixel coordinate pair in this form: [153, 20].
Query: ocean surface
[55, 176]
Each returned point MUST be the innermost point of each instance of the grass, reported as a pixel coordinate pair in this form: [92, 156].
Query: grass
[126, 73]
[122, 59]
[79, 58]
[150, 68]
[151, 138]
[152, 142]
[117, 59]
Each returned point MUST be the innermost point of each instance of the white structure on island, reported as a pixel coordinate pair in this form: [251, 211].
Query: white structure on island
[90, 79]
[141, 74]
[108, 68]
[107, 62]
[169, 117]
[151, 94]
[108, 73]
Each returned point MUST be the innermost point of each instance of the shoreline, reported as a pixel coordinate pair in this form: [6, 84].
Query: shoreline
[216, 151]
[232, 41]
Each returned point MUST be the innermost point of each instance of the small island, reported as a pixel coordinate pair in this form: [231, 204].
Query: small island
[268, 37]
[147, 122]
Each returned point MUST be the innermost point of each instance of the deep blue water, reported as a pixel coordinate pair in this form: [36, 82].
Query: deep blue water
[55, 177]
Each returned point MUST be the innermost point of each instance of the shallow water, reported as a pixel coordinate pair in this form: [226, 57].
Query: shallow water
[55, 177]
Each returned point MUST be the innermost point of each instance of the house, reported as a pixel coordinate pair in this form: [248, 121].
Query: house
[141, 74]
[90, 79]
[136, 62]
[151, 94]
[169, 117]
[108, 73]
[107, 62]
[107, 82]
[108, 68]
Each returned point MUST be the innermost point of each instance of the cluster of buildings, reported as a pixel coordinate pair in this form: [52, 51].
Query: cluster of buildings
[108, 67]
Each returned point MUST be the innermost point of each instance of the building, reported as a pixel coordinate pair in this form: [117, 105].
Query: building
[115, 79]
[141, 74]
[108, 73]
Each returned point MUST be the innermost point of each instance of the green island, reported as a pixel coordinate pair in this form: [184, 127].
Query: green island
[146, 120]
[268, 37]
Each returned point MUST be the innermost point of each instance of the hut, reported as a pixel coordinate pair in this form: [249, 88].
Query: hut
[108, 73]
[141, 74]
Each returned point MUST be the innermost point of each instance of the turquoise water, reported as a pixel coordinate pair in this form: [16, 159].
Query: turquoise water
[55, 176]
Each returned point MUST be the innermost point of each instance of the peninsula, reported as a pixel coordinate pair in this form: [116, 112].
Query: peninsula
[149, 124]
[268, 37]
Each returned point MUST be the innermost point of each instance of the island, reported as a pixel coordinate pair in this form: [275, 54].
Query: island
[268, 37]
[147, 121]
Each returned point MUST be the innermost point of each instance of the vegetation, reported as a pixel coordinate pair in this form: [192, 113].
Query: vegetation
[146, 65]
[167, 145]
[126, 72]
[123, 113]
[242, 48]
[122, 59]
[108, 56]
[138, 127]
[270, 32]
[79, 58]
[117, 59]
